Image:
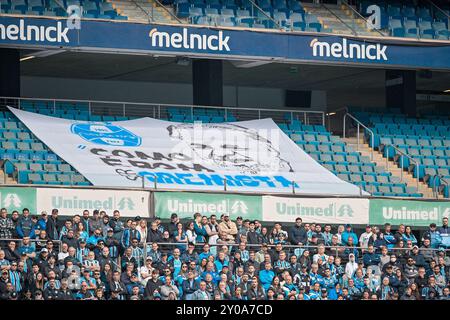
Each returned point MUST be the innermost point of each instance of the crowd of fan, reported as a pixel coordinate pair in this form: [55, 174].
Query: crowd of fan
[98, 257]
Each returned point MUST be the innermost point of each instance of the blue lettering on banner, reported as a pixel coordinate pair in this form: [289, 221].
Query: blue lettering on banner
[203, 179]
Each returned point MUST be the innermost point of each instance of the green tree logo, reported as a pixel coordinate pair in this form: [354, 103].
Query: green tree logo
[126, 203]
[345, 210]
[12, 200]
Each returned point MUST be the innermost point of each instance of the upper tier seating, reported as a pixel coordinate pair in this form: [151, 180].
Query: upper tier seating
[242, 13]
[426, 140]
[344, 161]
[405, 19]
[91, 9]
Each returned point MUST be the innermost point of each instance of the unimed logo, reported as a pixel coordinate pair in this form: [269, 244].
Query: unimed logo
[186, 40]
[349, 50]
[36, 33]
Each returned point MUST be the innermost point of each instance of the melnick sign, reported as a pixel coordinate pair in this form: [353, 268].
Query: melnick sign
[226, 43]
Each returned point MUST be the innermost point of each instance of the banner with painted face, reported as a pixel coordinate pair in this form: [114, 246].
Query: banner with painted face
[247, 156]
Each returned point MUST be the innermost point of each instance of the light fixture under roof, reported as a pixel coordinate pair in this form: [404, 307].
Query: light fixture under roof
[27, 58]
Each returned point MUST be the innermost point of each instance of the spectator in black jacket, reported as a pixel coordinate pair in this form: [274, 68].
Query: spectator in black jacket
[52, 227]
[253, 237]
[153, 234]
[298, 234]
[190, 285]
[153, 285]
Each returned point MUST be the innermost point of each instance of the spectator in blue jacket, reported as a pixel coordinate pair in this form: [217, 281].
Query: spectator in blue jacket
[433, 235]
[97, 236]
[409, 236]
[371, 261]
[266, 276]
[389, 236]
[445, 233]
[25, 224]
[348, 233]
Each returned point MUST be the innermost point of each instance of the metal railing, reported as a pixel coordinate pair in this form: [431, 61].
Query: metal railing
[437, 8]
[402, 154]
[169, 12]
[265, 14]
[6, 240]
[358, 15]
[358, 125]
[440, 179]
[336, 248]
[352, 29]
[15, 174]
[161, 110]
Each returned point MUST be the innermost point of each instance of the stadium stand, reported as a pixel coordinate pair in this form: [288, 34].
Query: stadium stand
[425, 140]
[349, 165]
[406, 19]
[36, 164]
[92, 9]
[28, 158]
[93, 256]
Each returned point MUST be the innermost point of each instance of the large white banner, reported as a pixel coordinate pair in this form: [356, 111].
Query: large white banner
[319, 210]
[246, 156]
[70, 202]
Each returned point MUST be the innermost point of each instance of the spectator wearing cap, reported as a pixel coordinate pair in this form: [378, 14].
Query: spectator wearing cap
[348, 233]
[253, 237]
[7, 226]
[112, 243]
[42, 221]
[418, 258]
[134, 282]
[172, 226]
[145, 272]
[433, 235]
[227, 227]
[365, 237]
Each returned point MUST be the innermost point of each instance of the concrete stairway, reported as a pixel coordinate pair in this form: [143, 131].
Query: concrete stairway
[8, 180]
[145, 11]
[390, 166]
[337, 19]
